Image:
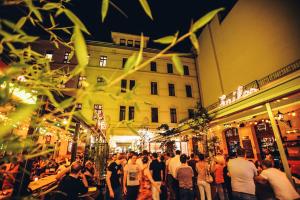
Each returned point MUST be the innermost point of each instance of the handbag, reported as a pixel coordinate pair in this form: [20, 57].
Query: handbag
[208, 177]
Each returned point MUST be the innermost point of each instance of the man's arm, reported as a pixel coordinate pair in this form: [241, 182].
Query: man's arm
[260, 179]
[125, 180]
[108, 175]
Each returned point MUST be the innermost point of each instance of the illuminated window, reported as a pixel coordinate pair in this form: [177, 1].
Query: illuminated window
[131, 84]
[130, 43]
[98, 112]
[122, 42]
[49, 55]
[66, 57]
[137, 44]
[81, 81]
[103, 61]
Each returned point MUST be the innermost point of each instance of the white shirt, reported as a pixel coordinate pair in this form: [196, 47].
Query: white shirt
[242, 174]
[174, 164]
[281, 185]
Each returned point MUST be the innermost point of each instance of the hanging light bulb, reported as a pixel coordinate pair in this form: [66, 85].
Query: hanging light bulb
[293, 113]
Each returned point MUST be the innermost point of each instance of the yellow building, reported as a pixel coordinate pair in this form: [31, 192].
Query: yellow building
[248, 61]
[144, 100]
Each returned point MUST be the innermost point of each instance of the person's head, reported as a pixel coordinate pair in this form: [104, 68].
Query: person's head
[75, 168]
[145, 153]
[121, 158]
[240, 152]
[162, 158]
[133, 158]
[183, 158]
[114, 157]
[196, 157]
[201, 157]
[88, 164]
[266, 164]
[192, 156]
[154, 155]
[178, 152]
[145, 159]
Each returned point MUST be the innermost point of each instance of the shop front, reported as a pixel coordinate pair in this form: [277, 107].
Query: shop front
[263, 118]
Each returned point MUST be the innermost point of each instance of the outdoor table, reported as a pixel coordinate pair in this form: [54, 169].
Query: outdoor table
[34, 185]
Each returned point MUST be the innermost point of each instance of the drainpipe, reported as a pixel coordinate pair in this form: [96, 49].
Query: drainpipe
[279, 143]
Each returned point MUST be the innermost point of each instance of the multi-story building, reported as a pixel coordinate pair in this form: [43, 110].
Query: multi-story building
[144, 100]
[249, 62]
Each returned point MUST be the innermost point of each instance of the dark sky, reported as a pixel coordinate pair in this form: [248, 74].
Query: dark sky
[169, 17]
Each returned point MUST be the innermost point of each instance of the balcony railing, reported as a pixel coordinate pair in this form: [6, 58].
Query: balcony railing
[264, 81]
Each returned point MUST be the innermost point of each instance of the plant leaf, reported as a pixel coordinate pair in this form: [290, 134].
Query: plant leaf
[140, 55]
[130, 63]
[50, 6]
[52, 20]
[80, 47]
[146, 8]
[21, 22]
[194, 41]
[76, 20]
[177, 62]
[165, 40]
[104, 9]
[205, 19]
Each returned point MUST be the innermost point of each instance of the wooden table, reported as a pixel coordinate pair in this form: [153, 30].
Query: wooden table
[34, 185]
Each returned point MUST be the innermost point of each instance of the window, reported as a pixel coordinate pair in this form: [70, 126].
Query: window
[122, 113]
[98, 112]
[49, 55]
[103, 61]
[78, 106]
[66, 57]
[123, 85]
[137, 44]
[154, 114]
[173, 115]
[124, 62]
[153, 66]
[131, 84]
[188, 90]
[154, 88]
[191, 113]
[131, 113]
[81, 81]
[101, 81]
[129, 43]
[122, 42]
[171, 89]
[186, 70]
[170, 68]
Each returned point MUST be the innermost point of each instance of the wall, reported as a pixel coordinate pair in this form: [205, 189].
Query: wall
[255, 39]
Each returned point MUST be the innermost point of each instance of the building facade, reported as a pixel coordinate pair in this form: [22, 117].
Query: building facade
[250, 79]
[140, 102]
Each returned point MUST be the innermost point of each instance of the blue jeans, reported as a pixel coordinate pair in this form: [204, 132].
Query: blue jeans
[243, 196]
[186, 194]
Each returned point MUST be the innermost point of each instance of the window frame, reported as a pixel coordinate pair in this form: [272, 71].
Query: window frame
[188, 91]
[131, 113]
[170, 89]
[171, 67]
[103, 61]
[123, 83]
[153, 91]
[122, 113]
[173, 115]
[153, 67]
[154, 118]
[186, 70]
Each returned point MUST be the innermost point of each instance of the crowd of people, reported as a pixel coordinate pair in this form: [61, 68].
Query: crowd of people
[166, 176]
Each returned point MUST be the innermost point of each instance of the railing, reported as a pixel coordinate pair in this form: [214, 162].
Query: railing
[264, 81]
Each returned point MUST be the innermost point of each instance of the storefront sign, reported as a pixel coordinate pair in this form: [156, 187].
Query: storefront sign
[236, 95]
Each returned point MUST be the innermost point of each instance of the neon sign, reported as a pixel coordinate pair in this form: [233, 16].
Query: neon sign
[236, 95]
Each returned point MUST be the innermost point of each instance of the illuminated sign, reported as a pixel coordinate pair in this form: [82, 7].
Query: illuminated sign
[236, 95]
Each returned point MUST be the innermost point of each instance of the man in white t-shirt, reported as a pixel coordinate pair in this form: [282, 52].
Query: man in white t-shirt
[173, 165]
[242, 174]
[132, 177]
[278, 180]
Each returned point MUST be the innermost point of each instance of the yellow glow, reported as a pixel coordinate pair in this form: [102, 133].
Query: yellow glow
[24, 96]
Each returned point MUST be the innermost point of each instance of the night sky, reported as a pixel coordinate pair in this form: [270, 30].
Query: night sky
[169, 17]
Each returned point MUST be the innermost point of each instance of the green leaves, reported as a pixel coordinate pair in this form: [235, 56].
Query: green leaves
[146, 8]
[21, 22]
[76, 20]
[104, 9]
[80, 47]
[130, 63]
[205, 19]
[178, 65]
[171, 39]
[194, 41]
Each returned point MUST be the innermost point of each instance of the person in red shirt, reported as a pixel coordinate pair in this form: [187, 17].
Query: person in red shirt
[219, 178]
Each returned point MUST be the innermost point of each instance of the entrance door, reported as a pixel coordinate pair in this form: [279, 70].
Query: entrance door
[232, 140]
